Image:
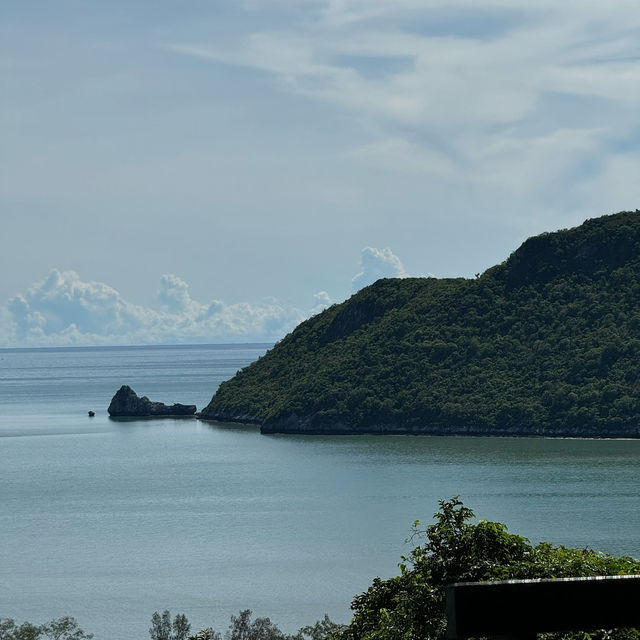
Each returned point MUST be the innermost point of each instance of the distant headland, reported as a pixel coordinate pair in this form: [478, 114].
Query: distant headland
[545, 344]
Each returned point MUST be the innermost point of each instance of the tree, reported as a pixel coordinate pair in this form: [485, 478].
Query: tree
[242, 628]
[65, 628]
[162, 628]
[206, 634]
[26, 631]
[411, 606]
[181, 627]
[324, 629]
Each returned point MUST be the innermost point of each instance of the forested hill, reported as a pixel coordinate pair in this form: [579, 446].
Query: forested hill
[546, 343]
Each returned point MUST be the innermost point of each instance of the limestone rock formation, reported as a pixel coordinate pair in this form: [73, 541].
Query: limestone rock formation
[126, 404]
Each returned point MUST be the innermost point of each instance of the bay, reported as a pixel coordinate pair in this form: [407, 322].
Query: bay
[111, 520]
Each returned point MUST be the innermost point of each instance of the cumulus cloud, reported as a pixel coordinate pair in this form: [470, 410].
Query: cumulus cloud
[376, 264]
[63, 304]
[173, 295]
[65, 310]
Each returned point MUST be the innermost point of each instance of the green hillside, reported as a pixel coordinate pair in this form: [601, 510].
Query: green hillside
[546, 343]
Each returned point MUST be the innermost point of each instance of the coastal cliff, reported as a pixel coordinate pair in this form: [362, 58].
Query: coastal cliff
[545, 344]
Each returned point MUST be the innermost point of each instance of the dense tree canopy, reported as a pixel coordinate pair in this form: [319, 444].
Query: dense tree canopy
[547, 343]
[65, 628]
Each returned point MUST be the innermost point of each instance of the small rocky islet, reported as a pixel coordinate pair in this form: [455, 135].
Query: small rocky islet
[127, 404]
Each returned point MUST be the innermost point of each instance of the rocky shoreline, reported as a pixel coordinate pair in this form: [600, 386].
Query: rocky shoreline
[295, 425]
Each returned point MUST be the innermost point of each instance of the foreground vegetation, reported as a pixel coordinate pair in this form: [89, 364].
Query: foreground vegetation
[65, 628]
[241, 627]
[410, 606]
[547, 343]
[164, 627]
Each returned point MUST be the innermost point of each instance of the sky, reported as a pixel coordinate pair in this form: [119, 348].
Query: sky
[217, 171]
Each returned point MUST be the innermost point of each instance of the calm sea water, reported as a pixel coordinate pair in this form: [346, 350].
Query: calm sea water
[109, 521]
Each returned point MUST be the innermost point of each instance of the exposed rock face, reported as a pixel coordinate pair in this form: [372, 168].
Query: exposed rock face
[127, 404]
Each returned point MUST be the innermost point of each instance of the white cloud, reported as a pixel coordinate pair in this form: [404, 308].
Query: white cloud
[173, 295]
[376, 264]
[446, 89]
[63, 301]
[65, 310]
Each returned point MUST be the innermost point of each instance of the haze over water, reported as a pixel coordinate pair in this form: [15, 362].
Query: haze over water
[109, 521]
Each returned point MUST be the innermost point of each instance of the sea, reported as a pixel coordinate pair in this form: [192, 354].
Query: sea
[110, 520]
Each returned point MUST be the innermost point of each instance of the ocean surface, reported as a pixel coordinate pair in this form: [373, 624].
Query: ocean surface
[109, 521]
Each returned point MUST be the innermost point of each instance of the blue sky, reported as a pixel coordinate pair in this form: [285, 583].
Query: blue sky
[212, 171]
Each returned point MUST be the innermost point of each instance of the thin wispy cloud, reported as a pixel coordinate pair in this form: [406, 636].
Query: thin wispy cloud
[514, 92]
